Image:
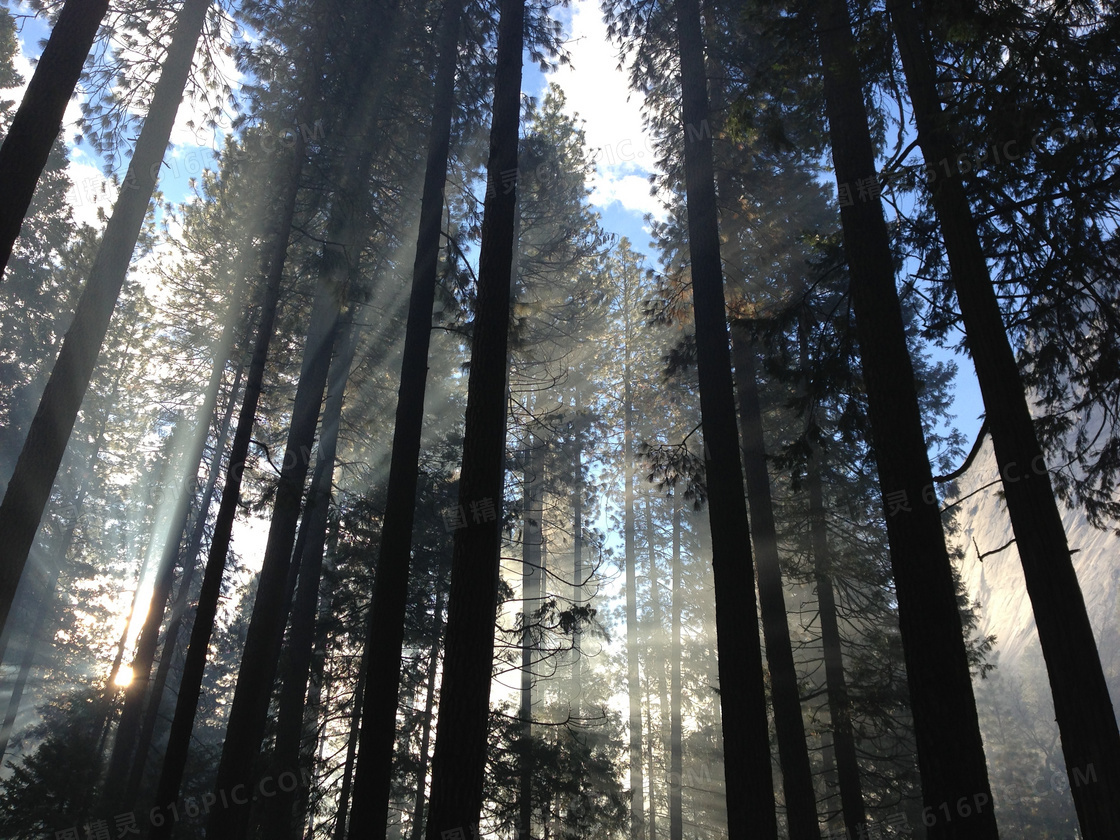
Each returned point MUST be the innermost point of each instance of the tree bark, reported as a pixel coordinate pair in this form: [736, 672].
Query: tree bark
[950, 750]
[464, 709]
[1082, 707]
[746, 737]
[249, 710]
[793, 751]
[38, 120]
[373, 773]
[313, 534]
[30, 485]
[190, 686]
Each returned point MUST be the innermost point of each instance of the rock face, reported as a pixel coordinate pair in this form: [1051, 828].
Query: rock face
[1016, 711]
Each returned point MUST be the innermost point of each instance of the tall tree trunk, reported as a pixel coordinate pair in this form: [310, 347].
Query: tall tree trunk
[313, 533]
[416, 830]
[139, 764]
[633, 674]
[47, 590]
[1082, 707]
[852, 805]
[657, 656]
[338, 277]
[746, 737]
[464, 709]
[577, 557]
[950, 750]
[839, 705]
[37, 122]
[373, 774]
[532, 587]
[249, 710]
[190, 687]
[137, 691]
[676, 816]
[30, 485]
[352, 744]
[793, 751]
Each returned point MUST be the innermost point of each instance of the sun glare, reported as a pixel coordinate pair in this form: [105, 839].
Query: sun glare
[124, 676]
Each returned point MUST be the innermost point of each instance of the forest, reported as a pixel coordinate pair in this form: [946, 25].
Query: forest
[559, 419]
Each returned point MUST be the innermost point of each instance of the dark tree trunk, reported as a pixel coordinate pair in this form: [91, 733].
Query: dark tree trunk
[139, 765]
[30, 485]
[352, 746]
[1082, 707]
[843, 746]
[793, 751]
[464, 709]
[746, 737]
[249, 710]
[301, 637]
[950, 750]
[839, 705]
[190, 687]
[373, 774]
[128, 729]
[337, 278]
[676, 815]
[417, 830]
[38, 120]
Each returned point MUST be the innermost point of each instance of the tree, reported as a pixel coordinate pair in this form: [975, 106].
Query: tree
[750, 803]
[37, 122]
[1090, 737]
[30, 485]
[950, 751]
[460, 751]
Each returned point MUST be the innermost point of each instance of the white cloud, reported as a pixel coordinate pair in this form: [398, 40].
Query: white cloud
[631, 191]
[598, 91]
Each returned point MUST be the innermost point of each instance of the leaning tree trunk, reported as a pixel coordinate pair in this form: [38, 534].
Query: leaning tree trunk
[373, 773]
[48, 589]
[128, 728]
[793, 751]
[190, 686]
[249, 709]
[746, 737]
[37, 122]
[313, 534]
[30, 484]
[1082, 707]
[464, 710]
[139, 764]
[337, 278]
[947, 733]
